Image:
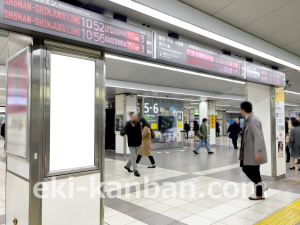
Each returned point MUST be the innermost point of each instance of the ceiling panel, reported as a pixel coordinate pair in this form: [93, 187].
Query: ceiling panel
[286, 36]
[241, 13]
[274, 22]
[208, 6]
[293, 47]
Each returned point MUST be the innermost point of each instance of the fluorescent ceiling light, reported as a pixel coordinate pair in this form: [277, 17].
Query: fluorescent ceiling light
[291, 92]
[195, 103]
[2, 96]
[224, 105]
[2, 89]
[147, 96]
[2, 74]
[168, 92]
[171, 68]
[195, 29]
[233, 111]
[221, 109]
[290, 105]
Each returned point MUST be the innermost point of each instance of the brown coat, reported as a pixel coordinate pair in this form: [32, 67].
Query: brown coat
[145, 149]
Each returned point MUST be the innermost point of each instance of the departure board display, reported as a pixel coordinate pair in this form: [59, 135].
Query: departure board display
[264, 75]
[64, 20]
[184, 53]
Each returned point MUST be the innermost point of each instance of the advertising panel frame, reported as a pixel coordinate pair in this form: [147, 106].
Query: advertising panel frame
[26, 50]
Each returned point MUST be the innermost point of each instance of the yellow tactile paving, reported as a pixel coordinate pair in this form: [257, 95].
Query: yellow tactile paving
[289, 215]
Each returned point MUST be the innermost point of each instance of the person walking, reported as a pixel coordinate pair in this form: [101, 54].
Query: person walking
[234, 131]
[186, 129]
[145, 149]
[294, 143]
[203, 130]
[287, 138]
[3, 130]
[217, 129]
[196, 126]
[253, 149]
[133, 132]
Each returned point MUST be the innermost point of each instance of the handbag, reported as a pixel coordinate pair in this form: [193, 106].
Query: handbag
[152, 134]
[200, 135]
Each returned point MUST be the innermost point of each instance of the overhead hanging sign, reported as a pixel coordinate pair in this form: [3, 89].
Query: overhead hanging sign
[187, 54]
[264, 75]
[67, 21]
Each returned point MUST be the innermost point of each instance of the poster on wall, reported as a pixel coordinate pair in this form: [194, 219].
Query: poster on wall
[279, 112]
[119, 123]
[151, 111]
[167, 124]
[280, 148]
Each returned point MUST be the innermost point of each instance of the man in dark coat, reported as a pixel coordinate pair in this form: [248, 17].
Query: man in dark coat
[186, 129]
[234, 131]
[217, 129]
[3, 130]
[253, 151]
[287, 150]
[133, 132]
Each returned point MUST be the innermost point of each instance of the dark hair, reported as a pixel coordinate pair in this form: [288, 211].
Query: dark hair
[287, 118]
[144, 123]
[131, 113]
[247, 106]
[295, 123]
[298, 115]
[204, 119]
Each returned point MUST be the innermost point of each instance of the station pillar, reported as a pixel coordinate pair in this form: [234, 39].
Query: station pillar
[268, 106]
[125, 103]
[207, 109]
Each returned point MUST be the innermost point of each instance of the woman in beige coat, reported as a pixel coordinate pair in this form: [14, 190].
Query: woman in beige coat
[145, 149]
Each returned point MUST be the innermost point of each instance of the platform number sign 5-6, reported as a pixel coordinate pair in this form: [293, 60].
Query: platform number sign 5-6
[147, 108]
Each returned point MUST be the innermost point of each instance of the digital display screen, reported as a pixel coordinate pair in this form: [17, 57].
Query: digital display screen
[61, 19]
[180, 52]
[265, 75]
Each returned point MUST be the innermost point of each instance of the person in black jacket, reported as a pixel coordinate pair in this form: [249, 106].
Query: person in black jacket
[217, 129]
[134, 138]
[3, 130]
[287, 150]
[234, 131]
[196, 126]
[186, 129]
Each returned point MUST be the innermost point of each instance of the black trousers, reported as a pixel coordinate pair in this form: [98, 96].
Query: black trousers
[288, 155]
[253, 173]
[187, 135]
[234, 141]
[150, 157]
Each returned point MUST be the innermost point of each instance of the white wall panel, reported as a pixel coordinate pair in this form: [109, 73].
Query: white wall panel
[18, 166]
[17, 199]
[79, 210]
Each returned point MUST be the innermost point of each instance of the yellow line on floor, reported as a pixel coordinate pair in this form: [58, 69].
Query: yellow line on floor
[289, 215]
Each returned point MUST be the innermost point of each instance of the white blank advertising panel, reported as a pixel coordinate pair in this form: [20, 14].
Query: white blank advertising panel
[72, 85]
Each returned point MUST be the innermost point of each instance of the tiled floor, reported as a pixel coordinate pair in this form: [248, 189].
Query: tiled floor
[191, 206]
[203, 169]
